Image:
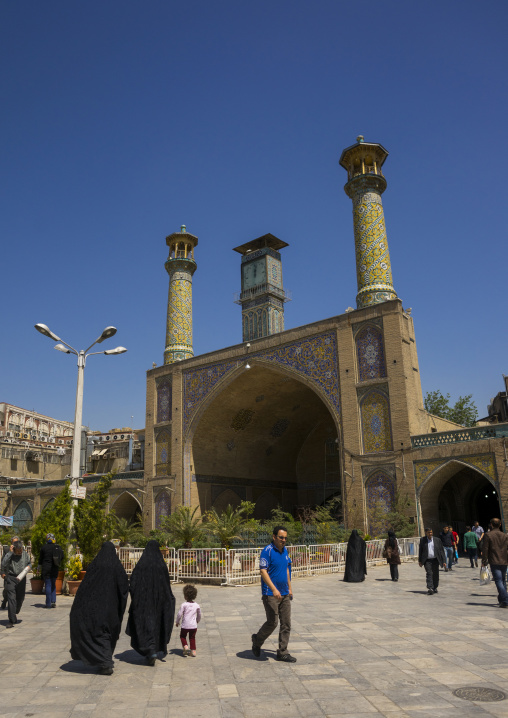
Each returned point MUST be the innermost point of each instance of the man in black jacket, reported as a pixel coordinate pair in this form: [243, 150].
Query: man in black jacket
[50, 558]
[431, 555]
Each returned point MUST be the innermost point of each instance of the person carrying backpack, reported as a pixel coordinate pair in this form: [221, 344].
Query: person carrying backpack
[50, 558]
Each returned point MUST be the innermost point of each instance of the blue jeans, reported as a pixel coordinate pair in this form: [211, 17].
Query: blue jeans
[499, 576]
[449, 553]
[50, 588]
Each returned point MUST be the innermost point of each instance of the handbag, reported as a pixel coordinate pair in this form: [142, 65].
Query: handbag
[485, 576]
[387, 552]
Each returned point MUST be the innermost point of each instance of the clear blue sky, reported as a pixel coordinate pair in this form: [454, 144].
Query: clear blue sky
[122, 120]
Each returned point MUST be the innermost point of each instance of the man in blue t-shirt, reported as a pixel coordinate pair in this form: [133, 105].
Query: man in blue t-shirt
[276, 593]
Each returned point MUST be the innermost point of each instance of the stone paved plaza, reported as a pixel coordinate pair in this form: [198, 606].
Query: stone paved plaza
[373, 649]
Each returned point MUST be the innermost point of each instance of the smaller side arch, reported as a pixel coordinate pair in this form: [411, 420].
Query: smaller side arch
[22, 515]
[126, 506]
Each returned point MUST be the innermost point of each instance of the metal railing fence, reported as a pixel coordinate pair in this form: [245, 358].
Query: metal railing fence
[240, 566]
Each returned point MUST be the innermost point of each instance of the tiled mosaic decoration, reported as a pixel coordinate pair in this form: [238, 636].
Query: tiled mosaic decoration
[373, 268]
[380, 490]
[314, 359]
[164, 400]
[179, 316]
[242, 419]
[162, 508]
[371, 354]
[485, 463]
[376, 425]
[163, 451]
[279, 428]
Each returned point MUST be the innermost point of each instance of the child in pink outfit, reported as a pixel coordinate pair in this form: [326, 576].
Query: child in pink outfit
[189, 616]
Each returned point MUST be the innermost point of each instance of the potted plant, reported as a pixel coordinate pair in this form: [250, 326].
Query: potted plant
[248, 562]
[74, 570]
[37, 584]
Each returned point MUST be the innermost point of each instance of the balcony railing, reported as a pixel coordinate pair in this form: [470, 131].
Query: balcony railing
[262, 289]
[459, 436]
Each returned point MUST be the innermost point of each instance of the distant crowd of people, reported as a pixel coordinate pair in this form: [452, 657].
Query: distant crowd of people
[98, 608]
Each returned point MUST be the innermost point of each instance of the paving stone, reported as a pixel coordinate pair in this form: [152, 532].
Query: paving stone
[370, 649]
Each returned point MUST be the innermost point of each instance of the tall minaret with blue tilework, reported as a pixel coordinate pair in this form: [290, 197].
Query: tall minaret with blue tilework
[180, 266]
[365, 185]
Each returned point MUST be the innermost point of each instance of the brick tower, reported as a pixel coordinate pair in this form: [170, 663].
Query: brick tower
[262, 297]
[180, 266]
[365, 185]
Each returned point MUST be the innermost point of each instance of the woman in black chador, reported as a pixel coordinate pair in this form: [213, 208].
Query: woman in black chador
[356, 563]
[152, 609]
[392, 553]
[97, 611]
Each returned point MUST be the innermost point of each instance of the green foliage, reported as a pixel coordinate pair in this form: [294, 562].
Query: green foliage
[74, 568]
[284, 518]
[53, 519]
[463, 412]
[155, 534]
[183, 526]
[128, 532]
[225, 527]
[92, 523]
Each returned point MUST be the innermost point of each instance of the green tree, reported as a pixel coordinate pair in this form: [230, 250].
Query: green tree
[226, 527]
[396, 519]
[463, 412]
[128, 532]
[284, 518]
[53, 519]
[92, 523]
[183, 526]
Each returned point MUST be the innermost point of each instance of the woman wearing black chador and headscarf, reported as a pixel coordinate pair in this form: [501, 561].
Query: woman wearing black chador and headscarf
[152, 609]
[356, 562]
[392, 553]
[97, 611]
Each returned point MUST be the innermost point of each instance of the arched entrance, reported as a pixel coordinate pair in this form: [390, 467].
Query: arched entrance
[266, 437]
[127, 507]
[458, 494]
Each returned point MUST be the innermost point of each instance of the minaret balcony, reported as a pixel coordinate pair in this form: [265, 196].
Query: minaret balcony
[267, 288]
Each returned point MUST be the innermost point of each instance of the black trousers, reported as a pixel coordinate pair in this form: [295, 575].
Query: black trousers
[394, 571]
[432, 572]
[15, 591]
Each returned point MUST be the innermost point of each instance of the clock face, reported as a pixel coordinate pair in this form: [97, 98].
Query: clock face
[253, 273]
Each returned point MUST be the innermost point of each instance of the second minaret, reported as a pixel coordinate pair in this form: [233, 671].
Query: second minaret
[180, 266]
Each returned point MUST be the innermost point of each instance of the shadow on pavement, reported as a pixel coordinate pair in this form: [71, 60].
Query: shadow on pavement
[131, 656]
[249, 656]
[383, 579]
[77, 667]
[423, 592]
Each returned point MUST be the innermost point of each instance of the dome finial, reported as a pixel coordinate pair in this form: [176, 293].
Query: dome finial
[360, 138]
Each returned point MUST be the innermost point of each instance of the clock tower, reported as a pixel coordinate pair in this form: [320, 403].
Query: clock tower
[262, 297]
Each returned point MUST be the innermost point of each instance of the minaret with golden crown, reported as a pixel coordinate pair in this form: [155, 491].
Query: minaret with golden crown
[366, 183]
[180, 266]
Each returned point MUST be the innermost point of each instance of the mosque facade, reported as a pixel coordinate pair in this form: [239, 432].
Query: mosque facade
[294, 417]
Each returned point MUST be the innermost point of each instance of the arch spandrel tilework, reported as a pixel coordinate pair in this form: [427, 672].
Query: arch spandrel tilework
[314, 358]
[380, 493]
[370, 354]
[376, 424]
[485, 463]
[164, 400]
[162, 508]
[163, 452]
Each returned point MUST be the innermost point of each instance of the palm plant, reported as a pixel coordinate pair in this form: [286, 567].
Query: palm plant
[183, 526]
[127, 531]
[225, 527]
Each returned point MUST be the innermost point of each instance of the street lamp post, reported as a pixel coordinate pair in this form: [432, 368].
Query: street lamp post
[78, 414]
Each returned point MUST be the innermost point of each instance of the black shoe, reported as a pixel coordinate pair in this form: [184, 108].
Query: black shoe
[151, 659]
[10, 625]
[53, 605]
[256, 650]
[105, 671]
[435, 590]
[430, 592]
[286, 657]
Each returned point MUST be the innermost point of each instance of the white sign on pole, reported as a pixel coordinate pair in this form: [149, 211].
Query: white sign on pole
[78, 492]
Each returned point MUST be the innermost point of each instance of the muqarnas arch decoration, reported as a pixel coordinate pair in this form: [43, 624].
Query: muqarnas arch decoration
[376, 424]
[162, 508]
[380, 495]
[370, 353]
[164, 400]
[163, 452]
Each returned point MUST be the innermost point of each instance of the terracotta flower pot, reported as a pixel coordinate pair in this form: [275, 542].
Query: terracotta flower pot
[37, 586]
[59, 582]
[82, 575]
[73, 587]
